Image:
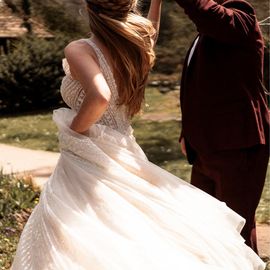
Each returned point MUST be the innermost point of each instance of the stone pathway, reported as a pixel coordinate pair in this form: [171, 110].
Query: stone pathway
[40, 164]
[21, 161]
[263, 235]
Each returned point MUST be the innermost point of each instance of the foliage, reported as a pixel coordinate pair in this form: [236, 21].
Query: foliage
[175, 36]
[15, 195]
[177, 32]
[17, 200]
[26, 6]
[58, 17]
[30, 75]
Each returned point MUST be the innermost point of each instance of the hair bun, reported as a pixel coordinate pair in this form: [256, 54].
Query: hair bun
[117, 9]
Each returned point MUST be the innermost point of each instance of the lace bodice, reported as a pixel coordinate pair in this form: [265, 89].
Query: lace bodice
[73, 94]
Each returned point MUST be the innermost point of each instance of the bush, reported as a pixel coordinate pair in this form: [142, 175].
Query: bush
[17, 200]
[30, 75]
[60, 16]
[176, 35]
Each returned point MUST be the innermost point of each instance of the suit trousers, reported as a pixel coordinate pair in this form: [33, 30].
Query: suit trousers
[237, 178]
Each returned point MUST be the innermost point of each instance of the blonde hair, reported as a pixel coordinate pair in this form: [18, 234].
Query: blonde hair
[127, 35]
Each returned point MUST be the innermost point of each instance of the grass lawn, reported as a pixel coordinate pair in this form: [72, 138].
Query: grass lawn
[156, 129]
[30, 131]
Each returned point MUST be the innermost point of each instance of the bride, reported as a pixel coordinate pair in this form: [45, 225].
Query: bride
[106, 207]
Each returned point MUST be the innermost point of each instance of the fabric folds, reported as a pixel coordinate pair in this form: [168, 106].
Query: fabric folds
[106, 207]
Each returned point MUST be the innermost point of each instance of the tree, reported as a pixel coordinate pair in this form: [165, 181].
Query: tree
[31, 74]
[26, 7]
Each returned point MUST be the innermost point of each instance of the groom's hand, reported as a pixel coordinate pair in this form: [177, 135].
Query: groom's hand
[183, 147]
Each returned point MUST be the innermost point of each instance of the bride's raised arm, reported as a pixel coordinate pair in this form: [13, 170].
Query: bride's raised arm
[154, 16]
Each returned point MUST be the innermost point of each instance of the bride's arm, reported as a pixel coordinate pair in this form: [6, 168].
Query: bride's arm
[85, 69]
[154, 15]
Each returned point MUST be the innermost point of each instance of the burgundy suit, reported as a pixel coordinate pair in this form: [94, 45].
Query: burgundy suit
[225, 119]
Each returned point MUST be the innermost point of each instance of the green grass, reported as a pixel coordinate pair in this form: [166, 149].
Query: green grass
[161, 106]
[159, 140]
[30, 131]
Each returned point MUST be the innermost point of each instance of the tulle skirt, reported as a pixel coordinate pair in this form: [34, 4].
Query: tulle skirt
[106, 207]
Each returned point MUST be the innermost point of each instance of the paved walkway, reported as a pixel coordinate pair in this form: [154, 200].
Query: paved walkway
[40, 164]
[37, 164]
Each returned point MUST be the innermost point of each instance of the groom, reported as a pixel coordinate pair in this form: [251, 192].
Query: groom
[225, 120]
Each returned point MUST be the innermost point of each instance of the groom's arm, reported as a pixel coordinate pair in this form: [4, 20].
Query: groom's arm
[233, 22]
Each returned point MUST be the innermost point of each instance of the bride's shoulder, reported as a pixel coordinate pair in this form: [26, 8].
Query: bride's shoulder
[79, 46]
[79, 54]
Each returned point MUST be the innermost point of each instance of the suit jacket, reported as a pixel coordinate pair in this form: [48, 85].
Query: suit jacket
[222, 98]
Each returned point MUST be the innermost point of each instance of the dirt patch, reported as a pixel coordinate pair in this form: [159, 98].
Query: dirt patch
[263, 235]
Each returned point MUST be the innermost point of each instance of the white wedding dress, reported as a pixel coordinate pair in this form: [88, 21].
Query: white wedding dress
[106, 207]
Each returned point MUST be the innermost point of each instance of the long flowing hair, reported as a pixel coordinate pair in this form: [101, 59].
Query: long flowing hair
[127, 35]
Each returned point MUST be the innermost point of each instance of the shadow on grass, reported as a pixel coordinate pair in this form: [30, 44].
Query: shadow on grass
[159, 140]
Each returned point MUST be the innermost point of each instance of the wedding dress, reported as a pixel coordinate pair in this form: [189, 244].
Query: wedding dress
[106, 207]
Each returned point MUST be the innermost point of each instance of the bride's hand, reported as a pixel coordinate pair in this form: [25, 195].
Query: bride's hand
[183, 147]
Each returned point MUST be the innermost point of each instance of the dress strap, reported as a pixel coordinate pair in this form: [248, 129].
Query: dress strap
[65, 66]
[103, 63]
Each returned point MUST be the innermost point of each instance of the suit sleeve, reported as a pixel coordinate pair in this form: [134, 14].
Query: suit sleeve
[233, 22]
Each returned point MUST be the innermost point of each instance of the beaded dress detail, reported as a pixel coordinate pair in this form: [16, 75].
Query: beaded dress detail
[107, 207]
[73, 94]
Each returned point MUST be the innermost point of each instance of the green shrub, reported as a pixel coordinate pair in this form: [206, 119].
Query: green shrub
[30, 75]
[176, 35]
[61, 17]
[17, 200]
[15, 195]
